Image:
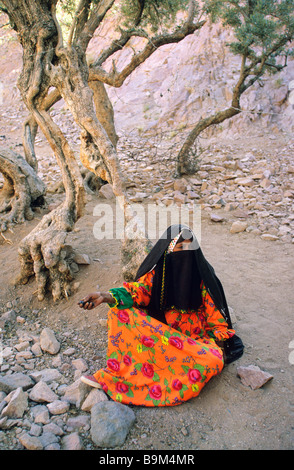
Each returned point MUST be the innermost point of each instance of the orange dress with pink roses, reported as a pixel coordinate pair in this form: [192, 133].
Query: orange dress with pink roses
[154, 364]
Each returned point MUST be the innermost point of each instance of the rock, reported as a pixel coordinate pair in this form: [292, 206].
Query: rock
[69, 351]
[110, 423]
[52, 446]
[158, 196]
[106, 191]
[78, 422]
[7, 352]
[95, 396]
[138, 197]
[40, 414]
[179, 197]
[53, 428]
[48, 342]
[9, 316]
[242, 214]
[265, 183]
[238, 226]
[48, 439]
[216, 218]
[80, 364]
[24, 355]
[41, 392]
[17, 404]
[245, 181]
[36, 350]
[193, 195]
[22, 346]
[14, 381]
[180, 185]
[72, 442]
[76, 393]
[30, 442]
[269, 236]
[36, 430]
[46, 375]
[204, 186]
[81, 258]
[253, 376]
[20, 319]
[58, 407]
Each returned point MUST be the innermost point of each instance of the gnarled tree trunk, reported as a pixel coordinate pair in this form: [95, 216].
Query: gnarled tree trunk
[48, 63]
[22, 190]
[184, 164]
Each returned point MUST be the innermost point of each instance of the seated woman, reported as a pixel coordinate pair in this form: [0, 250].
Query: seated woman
[165, 329]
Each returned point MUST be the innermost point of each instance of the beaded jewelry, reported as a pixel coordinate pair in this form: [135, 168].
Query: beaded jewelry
[173, 243]
[163, 280]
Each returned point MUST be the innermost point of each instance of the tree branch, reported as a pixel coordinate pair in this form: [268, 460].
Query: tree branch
[93, 22]
[116, 79]
[79, 20]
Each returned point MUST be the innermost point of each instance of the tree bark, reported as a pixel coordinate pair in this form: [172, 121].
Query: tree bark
[184, 167]
[98, 154]
[43, 252]
[104, 110]
[21, 191]
[47, 63]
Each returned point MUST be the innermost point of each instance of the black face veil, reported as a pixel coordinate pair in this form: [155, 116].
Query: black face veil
[198, 269]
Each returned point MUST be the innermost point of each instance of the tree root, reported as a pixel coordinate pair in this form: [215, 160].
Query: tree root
[43, 253]
[92, 183]
[22, 190]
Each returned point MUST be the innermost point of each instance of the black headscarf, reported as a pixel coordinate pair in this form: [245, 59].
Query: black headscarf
[156, 260]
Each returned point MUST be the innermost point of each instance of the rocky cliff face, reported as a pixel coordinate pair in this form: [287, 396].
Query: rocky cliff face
[177, 85]
[183, 82]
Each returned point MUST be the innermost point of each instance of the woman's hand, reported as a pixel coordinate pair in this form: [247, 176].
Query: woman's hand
[95, 299]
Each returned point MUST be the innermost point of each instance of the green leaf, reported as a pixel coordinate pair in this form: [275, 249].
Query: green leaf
[171, 370]
[145, 348]
[156, 402]
[155, 338]
[199, 367]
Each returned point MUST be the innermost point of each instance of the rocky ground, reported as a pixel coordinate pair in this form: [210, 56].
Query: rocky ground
[43, 404]
[244, 188]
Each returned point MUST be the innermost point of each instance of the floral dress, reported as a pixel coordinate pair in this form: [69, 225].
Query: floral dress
[154, 364]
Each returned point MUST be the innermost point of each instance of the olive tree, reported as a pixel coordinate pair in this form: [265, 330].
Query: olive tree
[55, 66]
